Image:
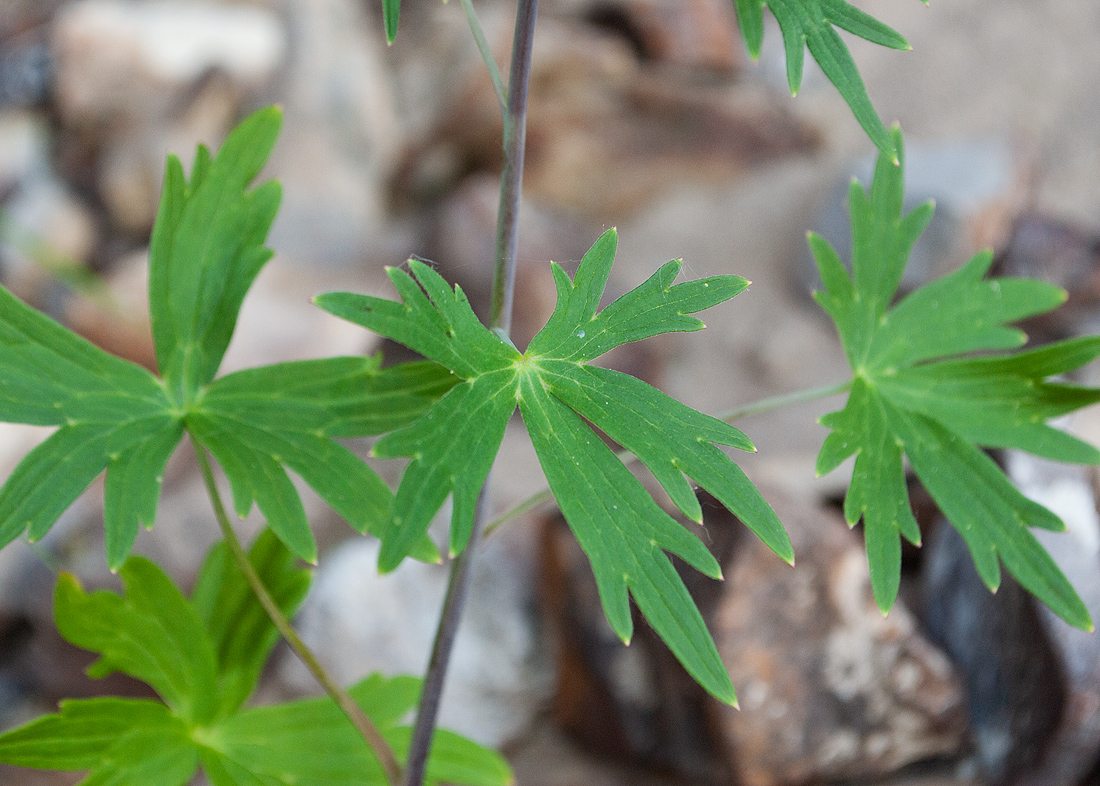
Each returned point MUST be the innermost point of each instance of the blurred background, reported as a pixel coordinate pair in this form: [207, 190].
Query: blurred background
[646, 115]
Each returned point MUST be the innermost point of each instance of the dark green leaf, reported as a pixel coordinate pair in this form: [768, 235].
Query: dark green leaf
[811, 24]
[918, 394]
[619, 525]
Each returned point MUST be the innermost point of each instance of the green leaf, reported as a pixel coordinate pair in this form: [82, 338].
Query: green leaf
[206, 250]
[312, 742]
[204, 658]
[238, 627]
[812, 24]
[391, 10]
[152, 634]
[621, 528]
[107, 408]
[918, 393]
[77, 737]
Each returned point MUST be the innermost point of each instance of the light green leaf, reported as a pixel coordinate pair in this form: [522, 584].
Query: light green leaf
[107, 408]
[619, 525]
[812, 24]
[77, 736]
[917, 393]
[152, 634]
[239, 629]
[311, 742]
[391, 10]
[206, 249]
[204, 658]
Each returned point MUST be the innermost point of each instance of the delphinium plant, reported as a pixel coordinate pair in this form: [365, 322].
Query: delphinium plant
[934, 380]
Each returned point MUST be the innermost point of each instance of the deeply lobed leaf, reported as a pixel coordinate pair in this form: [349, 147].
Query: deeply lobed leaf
[811, 24]
[207, 248]
[918, 393]
[624, 532]
[204, 658]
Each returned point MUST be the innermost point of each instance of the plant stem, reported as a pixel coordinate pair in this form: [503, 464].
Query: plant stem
[500, 318]
[511, 178]
[754, 408]
[784, 400]
[345, 702]
[486, 54]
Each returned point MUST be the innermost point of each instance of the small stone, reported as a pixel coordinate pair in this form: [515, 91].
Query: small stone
[119, 61]
[361, 623]
[23, 146]
[829, 687]
[699, 34]
[48, 230]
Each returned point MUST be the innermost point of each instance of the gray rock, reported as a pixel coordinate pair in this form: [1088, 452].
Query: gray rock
[341, 139]
[360, 623]
[124, 62]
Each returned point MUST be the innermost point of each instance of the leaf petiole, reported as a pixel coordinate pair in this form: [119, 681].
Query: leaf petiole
[347, 705]
[784, 400]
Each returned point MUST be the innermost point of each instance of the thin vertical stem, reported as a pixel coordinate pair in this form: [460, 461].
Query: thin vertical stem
[511, 179]
[347, 705]
[504, 278]
[432, 692]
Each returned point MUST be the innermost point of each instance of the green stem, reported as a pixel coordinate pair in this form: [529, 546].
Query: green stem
[754, 408]
[345, 702]
[486, 54]
[784, 400]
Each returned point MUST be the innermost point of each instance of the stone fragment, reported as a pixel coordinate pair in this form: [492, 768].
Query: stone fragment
[125, 62]
[829, 687]
[25, 67]
[698, 34]
[360, 623]
[340, 139]
[23, 143]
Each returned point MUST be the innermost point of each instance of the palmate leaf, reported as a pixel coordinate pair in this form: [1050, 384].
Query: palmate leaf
[918, 393]
[204, 657]
[811, 24]
[623, 531]
[206, 250]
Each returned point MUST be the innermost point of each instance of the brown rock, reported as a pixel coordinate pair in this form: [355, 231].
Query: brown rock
[829, 688]
[605, 132]
[699, 34]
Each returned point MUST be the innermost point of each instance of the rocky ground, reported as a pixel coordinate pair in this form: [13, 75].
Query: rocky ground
[645, 115]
